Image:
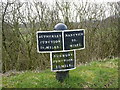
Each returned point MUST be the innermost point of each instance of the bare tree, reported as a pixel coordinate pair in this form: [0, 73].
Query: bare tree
[21, 20]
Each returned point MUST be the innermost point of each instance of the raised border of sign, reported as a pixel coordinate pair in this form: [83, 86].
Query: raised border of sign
[75, 30]
[62, 39]
[37, 41]
[64, 69]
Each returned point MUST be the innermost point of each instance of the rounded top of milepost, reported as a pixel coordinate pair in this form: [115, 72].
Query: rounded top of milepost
[60, 26]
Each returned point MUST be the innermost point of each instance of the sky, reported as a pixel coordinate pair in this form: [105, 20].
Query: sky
[51, 1]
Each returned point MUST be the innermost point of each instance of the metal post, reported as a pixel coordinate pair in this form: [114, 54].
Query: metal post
[61, 75]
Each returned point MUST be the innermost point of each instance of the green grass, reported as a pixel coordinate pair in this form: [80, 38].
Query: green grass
[97, 74]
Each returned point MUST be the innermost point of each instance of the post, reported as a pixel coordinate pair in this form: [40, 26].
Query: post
[61, 75]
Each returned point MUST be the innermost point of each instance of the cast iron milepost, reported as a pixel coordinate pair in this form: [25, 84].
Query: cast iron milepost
[61, 75]
[62, 45]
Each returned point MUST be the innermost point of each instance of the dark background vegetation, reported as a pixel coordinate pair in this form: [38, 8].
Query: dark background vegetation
[20, 23]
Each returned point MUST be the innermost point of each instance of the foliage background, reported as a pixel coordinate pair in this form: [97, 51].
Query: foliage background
[21, 20]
